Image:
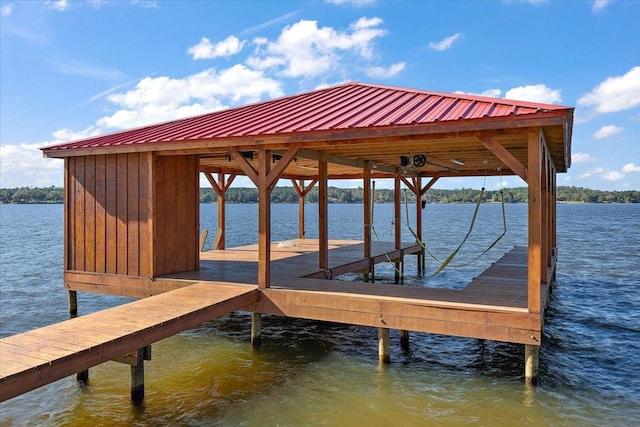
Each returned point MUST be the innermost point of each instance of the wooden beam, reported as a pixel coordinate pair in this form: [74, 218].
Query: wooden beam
[429, 184]
[535, 218]
[281, 165]
[409, 185]
[244, 165]
[213, 183]
[505, 156]
[323, 226]
[338, 160]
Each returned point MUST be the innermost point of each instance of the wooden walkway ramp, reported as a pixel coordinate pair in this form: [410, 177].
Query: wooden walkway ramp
[35, 358]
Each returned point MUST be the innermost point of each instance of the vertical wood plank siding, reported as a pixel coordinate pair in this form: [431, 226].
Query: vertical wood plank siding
[109, 215]
[176, 218]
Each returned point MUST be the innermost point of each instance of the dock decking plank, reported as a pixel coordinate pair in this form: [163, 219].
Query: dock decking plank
[74, 345]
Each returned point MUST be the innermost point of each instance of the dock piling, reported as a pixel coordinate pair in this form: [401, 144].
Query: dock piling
[531, 355]
[256, 328]
[82, 376]
[137, 377]
[384, 346]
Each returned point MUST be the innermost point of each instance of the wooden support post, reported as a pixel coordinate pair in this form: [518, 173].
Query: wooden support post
[421, 254]
[323, 227]
[221, 204]
[220, 187]
[404, 340]
[137, 377]
[302, 192]
[397, 222]
[531, 356]
[384, 346]
[535, 218]
[73, 304]
[301, 212]
[366, 183]
[256, 329]
[82, 376]
[264, 220]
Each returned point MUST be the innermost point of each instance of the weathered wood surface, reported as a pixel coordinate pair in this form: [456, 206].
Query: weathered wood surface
[38, 357]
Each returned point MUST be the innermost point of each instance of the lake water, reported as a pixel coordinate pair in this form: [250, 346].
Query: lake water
[314, 373]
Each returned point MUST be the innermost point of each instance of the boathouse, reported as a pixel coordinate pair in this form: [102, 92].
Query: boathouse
[131, 224]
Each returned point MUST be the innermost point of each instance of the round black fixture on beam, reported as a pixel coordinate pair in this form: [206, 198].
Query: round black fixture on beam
[419, 160]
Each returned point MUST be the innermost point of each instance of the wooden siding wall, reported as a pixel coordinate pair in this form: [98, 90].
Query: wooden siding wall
[108, 215]
[177, 215]
[131, 214]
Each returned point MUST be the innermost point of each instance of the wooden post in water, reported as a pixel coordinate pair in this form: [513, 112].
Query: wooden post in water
[384, 346]
[137, 377]
[256, 329]
[82, 376]
[531, 356]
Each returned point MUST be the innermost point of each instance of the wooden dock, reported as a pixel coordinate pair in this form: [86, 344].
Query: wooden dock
[492, 306]
[41, 356]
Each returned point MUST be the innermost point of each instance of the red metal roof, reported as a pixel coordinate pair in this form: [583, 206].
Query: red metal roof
[346, 106]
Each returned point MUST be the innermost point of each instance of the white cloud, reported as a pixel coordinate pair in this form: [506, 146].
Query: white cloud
[582, 158]
[615, 93]
[384, 73]
[60, 5]
[445, 43]
[630, 167]
[534, 93]
[225, 48]
[304, 50]
[598, 5]
[491, 93]
[163, 98]
[607, 131]
[612, 176]
[6, 9]
[23, 165]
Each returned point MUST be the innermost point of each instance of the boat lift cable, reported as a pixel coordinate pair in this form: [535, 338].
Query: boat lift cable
[504, 230]
[447, 261]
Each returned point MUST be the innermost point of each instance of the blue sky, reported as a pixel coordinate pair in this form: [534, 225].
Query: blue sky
[71, 69]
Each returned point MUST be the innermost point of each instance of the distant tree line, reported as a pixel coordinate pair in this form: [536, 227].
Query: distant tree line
[354, 195]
